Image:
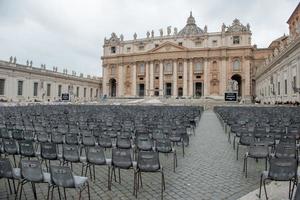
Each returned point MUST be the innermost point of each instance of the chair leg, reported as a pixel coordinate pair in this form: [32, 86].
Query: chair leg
[34, 190]
[162, 186]
[233, 143]
[88, 188]
[21, 189]
[264, 182]
[10, 191]
[182, 148]
[174, 161]
[94, 172]
[266, 164]
[237, 151]
[14, 185]
[59, 195]
[141, 179]
[48, 193]
[65, 195]
[16, 197]
[119, 175]
[108, 178]
[260, 185]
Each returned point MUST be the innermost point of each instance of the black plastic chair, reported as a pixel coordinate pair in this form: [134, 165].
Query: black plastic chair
[48, 153]
[29, 135]
[257, 150]
[10, 148]
[95, 156]
[121, 159]
[71, 139]
[176, 137]
[164, 146]
[31, 172]
[61, 176]
[70, 154]
[123, 142]
[148, 162]
[57, 138]
[245, 140]
[26, 149]
[297, 195]
[281, 169]
[8, 172]
[104, 141]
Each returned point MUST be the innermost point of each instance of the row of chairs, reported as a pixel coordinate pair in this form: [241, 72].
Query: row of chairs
[279, 149]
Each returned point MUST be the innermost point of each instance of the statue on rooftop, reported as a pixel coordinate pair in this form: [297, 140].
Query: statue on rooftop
[11, 59]
[134, 36]
[161, 32]
[15, 60]
[152, 33]
[169, 30]
[148, 34]
[175, 31]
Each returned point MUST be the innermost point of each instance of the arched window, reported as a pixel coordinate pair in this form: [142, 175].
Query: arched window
[236, 65]
[168, 67]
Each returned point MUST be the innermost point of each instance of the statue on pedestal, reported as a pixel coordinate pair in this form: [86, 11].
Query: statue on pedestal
[169, 30]
[10, 59]
[134, 36]
[161, 32]
[152, 33]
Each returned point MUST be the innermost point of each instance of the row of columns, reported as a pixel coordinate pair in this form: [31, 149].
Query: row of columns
[187, 79]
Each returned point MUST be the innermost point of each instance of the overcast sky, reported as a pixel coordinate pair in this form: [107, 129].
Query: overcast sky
[70, 33]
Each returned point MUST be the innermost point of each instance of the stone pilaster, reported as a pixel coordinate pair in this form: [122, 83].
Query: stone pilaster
[175, 87]
[161, 78]
[121, 81]
[134, 80]
[147, 80]
[223, 76]
[191, 81]
[185, 78]
[104, 80]
[151, 73]
[206, 78]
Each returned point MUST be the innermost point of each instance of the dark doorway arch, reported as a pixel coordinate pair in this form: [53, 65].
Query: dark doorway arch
[238, 79]
[180, 92]
[112, 87]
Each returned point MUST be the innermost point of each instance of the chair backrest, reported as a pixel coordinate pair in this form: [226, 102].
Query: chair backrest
[148, 161]
[121, 158]
[96, 155]
[71, 152]
[282, 169]
[62, 176]
[26, 148]
[6, 169]
[10, 146]
[284, 150]
[31, 170]
[48, 151]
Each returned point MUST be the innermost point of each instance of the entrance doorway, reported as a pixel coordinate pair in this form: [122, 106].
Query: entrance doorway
[141, 90]
[112, 87]
[180, 92]
[168, 89]
[198, 89]
[156, 92]
[238, 79]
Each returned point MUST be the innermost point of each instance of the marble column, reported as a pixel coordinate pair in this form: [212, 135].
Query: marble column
[121, 81]
[175, 87]
[223, 76]
[104, 80]
[161, 78]
[247, 88]
[133, 92]
[185, 78]
[151, 93]
[206, 78]
[147, 79]
[191, 80]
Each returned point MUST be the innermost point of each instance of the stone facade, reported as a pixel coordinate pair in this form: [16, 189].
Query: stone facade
[277, 80]
[20, 83]
[191, 62]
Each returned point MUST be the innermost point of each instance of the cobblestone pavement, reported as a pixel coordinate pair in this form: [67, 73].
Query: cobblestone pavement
[209, 170]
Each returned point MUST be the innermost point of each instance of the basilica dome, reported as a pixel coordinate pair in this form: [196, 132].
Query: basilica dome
[190, 28]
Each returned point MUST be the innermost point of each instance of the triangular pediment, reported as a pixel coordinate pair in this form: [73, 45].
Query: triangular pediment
[167, 47]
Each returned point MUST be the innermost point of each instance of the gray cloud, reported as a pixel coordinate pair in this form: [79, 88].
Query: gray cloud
[70, 33]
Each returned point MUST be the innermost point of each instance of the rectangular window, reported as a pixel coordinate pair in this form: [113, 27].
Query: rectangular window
[294, 83]
[84, 92]
[20, 88]
[113, 49]
[198, 67]
[285, 86]
[2, 86]
[156, 45]
[48, 89]
[141, 48]
[128, 49]
[59, 90]
[198, 44]
[142, 68]
[278, 88]
[180, 43]
[91, 92]
[180, 67]
[35, 89]
[214, 42]
[236, 40]
[77, 92]
[168, 68]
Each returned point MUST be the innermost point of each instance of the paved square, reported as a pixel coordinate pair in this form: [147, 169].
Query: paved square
[209, 170]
